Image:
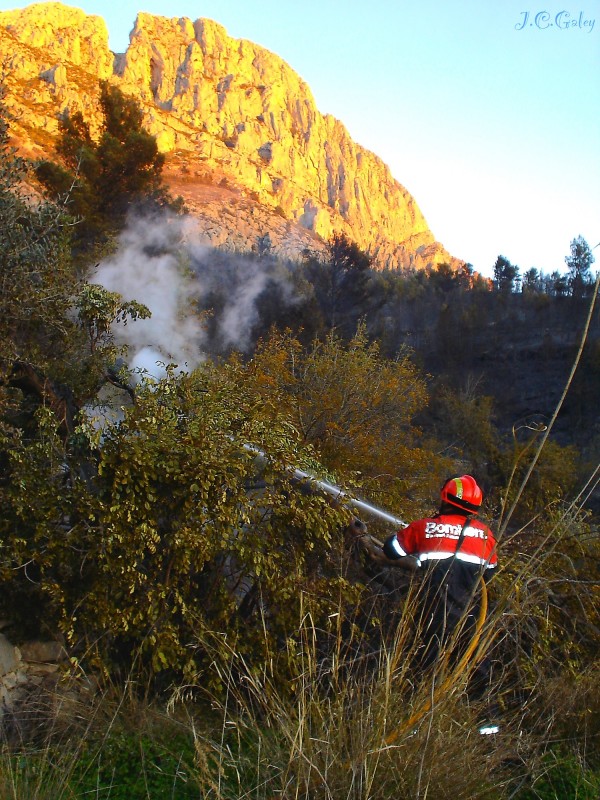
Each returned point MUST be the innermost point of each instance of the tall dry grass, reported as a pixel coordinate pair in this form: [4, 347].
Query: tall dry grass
[343, 712]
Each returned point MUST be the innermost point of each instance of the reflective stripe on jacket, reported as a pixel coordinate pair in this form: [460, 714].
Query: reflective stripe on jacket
[436, 538]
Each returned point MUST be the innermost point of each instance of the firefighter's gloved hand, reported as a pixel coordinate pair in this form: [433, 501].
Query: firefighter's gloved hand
[357, 528]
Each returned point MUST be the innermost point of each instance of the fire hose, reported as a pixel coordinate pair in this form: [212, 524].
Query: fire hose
[343, 497]
[334, 491]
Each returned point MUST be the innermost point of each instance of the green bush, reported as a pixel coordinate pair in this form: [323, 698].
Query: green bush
[136, 767]
[563, 777]
[179, 531]
[121, 765]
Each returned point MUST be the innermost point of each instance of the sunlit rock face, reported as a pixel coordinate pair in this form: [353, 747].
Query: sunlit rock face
[239, 127]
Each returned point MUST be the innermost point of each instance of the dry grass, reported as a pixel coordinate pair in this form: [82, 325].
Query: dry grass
[337, 715]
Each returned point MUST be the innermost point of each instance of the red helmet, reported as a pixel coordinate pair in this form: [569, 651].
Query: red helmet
[463, 492]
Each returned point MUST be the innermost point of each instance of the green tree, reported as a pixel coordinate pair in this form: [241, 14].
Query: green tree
[558, 284]
[130, 164]
[49, 355]
[137, 540]
[39, 340]
[340, 281]
[505, 275]
[447, 278]
[100, 181]
[579, 263]
[443, 277]
[179, 533]
[532, 281]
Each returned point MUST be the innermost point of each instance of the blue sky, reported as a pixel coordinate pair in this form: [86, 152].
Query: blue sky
[488, 113]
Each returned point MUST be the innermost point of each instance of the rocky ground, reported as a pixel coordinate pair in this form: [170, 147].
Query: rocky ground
[231, 217]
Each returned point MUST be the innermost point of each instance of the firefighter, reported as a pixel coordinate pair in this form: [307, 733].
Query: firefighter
[455, 550]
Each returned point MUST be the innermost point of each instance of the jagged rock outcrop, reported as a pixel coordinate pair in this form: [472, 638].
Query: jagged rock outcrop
[226, 112]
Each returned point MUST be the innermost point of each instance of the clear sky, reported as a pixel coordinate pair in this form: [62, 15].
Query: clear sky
[488, 112]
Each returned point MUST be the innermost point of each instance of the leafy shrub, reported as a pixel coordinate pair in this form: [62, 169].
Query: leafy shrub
[129, 766]
[178, 532]
[114, 756]
[356, 408]
[563, 776]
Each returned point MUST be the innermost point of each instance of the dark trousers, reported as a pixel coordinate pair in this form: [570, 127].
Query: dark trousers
[451, 605]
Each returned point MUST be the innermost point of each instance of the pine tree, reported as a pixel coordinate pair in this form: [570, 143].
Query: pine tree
[579, 263]
[100, 181]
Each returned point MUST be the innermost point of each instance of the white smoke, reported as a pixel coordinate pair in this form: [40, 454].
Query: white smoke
[148, 268]
[163, 263]
[240, 313]
[239, 282]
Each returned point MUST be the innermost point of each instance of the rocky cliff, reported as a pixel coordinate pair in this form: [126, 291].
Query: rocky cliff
[246, 146]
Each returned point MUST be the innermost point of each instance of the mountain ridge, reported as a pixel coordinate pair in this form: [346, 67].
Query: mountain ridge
[228, 114]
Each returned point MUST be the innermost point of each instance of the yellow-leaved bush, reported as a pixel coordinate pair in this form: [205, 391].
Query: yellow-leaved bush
[357, 409]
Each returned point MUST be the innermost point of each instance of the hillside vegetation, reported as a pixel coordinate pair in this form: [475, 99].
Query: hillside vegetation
[227, 635]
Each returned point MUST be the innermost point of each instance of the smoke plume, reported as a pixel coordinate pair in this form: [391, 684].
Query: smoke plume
[162, 262]
[147, 267]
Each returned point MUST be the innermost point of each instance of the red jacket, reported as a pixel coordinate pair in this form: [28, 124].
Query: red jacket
[435, 539]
